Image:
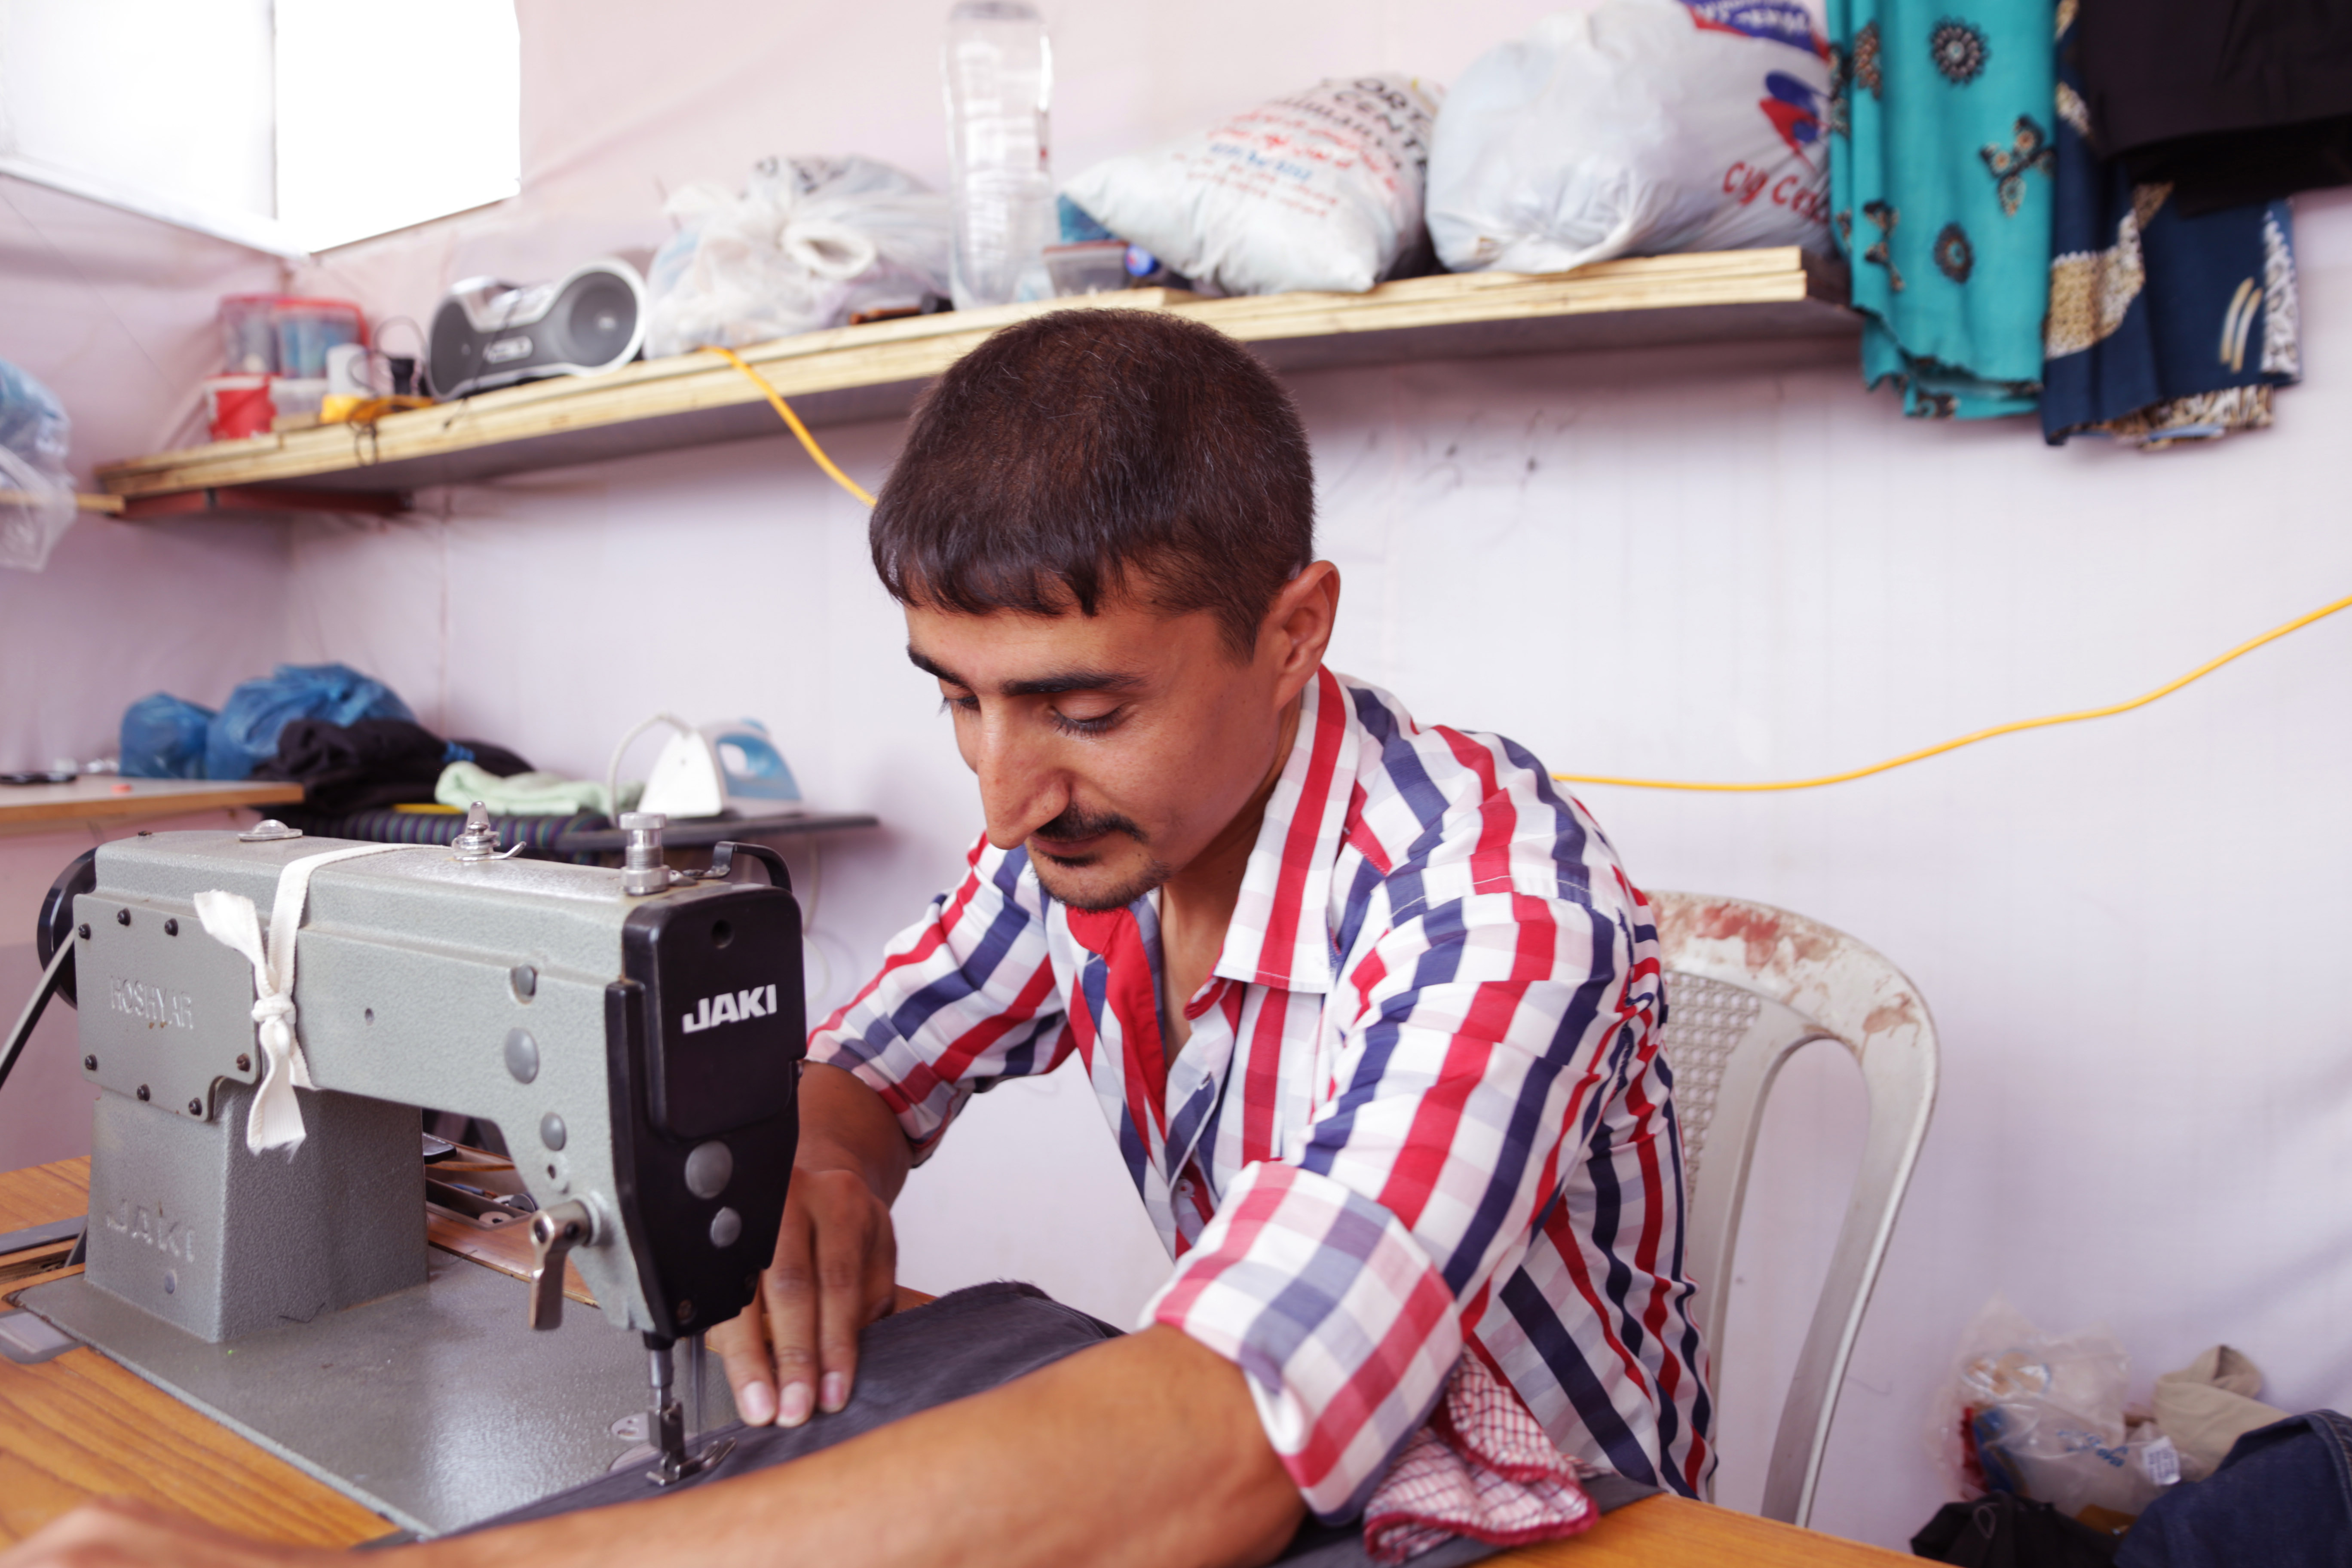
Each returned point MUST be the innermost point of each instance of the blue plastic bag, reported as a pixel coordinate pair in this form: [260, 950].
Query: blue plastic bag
[245, 733]
[37, 497]
[164, 738]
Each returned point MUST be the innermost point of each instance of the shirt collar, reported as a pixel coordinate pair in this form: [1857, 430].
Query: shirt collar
[1280, 934]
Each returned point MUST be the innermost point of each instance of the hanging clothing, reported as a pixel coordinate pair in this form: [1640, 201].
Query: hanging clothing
[1940, 164]
[2229, 104]
[2163, 325]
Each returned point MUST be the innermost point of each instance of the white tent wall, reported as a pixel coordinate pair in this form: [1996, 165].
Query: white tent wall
[114, 314]
[1698, 563]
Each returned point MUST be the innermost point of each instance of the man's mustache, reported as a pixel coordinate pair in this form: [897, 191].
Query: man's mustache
[1075, 824]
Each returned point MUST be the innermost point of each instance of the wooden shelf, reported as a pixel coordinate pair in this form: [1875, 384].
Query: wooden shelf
[875, 372]
[106, 800]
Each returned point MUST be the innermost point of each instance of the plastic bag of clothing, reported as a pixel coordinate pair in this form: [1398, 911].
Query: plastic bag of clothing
[36, 496]
[164, 738]
[1643, 127]
[2041, 1415]
[245, 733]
[1319, 190]
[809, 242]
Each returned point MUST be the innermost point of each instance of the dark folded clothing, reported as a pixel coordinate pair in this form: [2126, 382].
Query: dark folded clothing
[372, 763]
[962, 1345]
[2002, 1529]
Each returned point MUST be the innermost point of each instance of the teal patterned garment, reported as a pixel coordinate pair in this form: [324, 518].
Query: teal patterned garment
[1941, 156]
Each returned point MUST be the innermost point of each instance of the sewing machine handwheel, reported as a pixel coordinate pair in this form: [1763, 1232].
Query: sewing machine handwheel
[55, 927]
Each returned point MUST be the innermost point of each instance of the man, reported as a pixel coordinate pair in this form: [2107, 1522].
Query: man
[1369, 1007]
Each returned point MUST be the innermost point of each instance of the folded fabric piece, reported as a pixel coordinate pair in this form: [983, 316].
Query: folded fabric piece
[374, 762]
[2163, 325]
[2282, 1499]
[1483, 1468]
[1940, 160]
[523, 793]
[2244, 102]
[2208, 1406]
[964, 1343]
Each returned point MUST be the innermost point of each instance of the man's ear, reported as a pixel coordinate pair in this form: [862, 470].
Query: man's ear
[1297, 628]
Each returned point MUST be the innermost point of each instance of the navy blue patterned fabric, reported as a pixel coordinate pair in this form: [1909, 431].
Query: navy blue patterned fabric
[2162, 326]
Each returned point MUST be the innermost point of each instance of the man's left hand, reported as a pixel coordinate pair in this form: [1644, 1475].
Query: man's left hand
[117, 1532]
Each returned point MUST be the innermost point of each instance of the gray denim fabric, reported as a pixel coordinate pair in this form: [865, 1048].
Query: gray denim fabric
[962, 1345]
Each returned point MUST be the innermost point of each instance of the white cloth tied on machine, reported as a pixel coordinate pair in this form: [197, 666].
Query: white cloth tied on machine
[275, 1122]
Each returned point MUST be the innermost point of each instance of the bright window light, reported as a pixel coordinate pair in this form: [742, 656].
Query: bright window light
[291, 127]
[157, 105]
[390, 115]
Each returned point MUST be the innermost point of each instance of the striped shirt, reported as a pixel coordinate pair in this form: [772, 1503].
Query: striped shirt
[1422, 1113]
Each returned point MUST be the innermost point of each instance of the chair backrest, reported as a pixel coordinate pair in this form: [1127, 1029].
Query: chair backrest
[1747, 986]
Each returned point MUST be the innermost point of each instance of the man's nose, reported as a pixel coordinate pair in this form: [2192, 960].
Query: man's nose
[1020, 790]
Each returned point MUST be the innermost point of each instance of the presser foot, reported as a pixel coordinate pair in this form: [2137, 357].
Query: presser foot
[673, 1462]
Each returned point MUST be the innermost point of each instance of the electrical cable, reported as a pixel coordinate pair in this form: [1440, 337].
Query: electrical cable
[1970, 740]
[776, 401]
[34, 1006]
[1920, 755]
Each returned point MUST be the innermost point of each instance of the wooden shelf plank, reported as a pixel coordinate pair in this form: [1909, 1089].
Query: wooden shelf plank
[875, 372]
[105, 800]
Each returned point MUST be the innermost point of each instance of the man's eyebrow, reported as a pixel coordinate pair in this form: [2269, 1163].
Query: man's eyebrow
[1040, 685]
[927, 666]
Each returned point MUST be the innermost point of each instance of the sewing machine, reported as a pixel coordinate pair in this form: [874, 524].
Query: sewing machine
[636, 1033]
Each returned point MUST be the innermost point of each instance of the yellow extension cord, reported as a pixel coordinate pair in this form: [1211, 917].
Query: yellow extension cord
[776, 401]
[2167, 690]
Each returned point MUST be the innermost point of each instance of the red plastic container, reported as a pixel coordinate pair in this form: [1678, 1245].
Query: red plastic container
[239, 406]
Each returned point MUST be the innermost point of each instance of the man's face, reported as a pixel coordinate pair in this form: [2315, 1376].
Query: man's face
[1116, 746]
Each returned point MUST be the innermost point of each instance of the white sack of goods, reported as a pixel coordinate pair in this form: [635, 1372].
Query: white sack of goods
[1643, 127]
[1319, 190]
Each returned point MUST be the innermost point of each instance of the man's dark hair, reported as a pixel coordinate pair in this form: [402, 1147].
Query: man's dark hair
[1088, 453]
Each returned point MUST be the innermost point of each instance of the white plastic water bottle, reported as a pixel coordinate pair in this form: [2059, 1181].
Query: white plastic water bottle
[999, 76]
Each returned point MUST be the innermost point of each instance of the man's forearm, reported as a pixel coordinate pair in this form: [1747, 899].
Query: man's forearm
[844, 1125]
[1145, 1450]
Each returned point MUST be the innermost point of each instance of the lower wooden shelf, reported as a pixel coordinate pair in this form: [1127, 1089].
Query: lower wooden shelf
[875, 372]
[106, 800]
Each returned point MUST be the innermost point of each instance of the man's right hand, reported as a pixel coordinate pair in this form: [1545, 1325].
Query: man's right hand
[794, 1349]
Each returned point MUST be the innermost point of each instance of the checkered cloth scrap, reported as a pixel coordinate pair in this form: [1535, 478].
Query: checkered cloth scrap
[1481, 1468]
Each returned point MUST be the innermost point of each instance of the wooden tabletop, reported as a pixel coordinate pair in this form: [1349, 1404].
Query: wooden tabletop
[80, 1427]
[106, 800]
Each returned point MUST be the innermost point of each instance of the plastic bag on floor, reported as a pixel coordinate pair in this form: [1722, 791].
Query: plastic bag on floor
[1643, 127]
[245, 733]
[809, 242]
[2041, 1415]
[1319, 190]
[36, 496]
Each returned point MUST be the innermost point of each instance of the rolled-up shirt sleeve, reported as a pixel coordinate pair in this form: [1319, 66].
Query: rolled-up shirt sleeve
[1469, 1051]
[964, 996]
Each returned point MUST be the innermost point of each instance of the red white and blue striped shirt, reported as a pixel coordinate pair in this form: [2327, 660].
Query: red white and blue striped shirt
[1422, 1113]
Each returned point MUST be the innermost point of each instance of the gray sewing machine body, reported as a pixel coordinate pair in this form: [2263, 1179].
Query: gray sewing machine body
[639, 1053]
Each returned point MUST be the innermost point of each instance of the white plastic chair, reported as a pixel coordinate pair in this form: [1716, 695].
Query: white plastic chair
[1747, 986]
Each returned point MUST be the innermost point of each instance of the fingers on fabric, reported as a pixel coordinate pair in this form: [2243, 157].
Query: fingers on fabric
[835, 1271]
[788, 1293]
[741, 1343]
